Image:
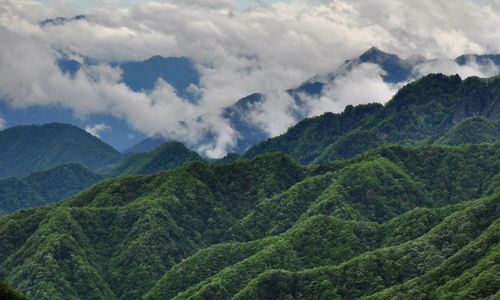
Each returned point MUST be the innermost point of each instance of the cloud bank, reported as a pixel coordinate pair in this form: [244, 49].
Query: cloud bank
[266, 48]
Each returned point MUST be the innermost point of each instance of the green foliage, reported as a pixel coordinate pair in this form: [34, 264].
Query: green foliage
[29, 148]
[41, 187]
[268, 228]
[375, 270]
[349, 145]
[167, 156]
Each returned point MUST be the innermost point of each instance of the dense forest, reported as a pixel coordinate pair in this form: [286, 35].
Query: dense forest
[46, 186]
[394, 221]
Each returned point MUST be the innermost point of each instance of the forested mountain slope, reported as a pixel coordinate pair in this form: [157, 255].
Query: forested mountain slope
[29, 148]
[359, 227]
[422, 112]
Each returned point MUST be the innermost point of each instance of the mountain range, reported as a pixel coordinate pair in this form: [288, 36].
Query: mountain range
[395, 70]
[181, 73]
[378, 202]
[456, 111]
[46, 186]
[429, 110]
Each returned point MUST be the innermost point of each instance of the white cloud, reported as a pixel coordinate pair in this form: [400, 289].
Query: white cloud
[275, 113]
[364, 84]
[267, 48]
[97, 129]
[450, 67]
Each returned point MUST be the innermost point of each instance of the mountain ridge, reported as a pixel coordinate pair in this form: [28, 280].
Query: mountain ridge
[420, 112]
[33, 147]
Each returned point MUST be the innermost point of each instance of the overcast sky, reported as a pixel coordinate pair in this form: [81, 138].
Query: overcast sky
[239, 47]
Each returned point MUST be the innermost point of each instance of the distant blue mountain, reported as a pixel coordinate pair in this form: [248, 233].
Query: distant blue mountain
[179, 72]
[146, 145]
[237, 115]
[396, 70]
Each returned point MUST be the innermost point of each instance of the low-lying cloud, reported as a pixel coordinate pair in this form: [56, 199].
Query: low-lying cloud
[267, 48]
[364, 84]
[2, 123]
[97, 129]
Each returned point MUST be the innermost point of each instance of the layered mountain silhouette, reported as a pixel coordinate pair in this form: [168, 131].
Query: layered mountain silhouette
[395, 70]
[181, 74]
[46, 186]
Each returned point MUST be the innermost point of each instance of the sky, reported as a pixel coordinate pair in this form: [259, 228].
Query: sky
[92, 4]
[239, 47]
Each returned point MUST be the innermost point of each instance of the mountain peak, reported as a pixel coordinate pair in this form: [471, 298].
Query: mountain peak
[376, 55]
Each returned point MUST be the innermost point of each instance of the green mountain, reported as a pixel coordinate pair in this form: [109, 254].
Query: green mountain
[394, 221]
[41, 187]
[401, 201]
[167, 156]
[420, 113]
[29, 148]
[306, 140]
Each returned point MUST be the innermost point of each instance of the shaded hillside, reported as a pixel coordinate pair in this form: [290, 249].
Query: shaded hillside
[167, 156]
[28, 148]
[8, 293]
[352, 228]
[41, 187]
[146, 145]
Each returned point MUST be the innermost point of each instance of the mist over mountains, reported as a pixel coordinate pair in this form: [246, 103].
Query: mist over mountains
[233, 149]
[230, 64]
[380, 71]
